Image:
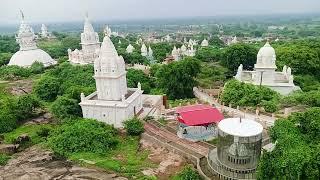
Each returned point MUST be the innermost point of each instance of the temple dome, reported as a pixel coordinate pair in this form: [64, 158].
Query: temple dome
[27, 58]
[267, 51]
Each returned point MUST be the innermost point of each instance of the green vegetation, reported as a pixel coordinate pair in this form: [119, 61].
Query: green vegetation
[134, 127]
[248, 95]
[4, 159]
[188, 173]
[125, 159]
[33, 131]
[177, 79]
[64, 107]
[182, 102]
[83, 135]
[297, 151]
[237, 54]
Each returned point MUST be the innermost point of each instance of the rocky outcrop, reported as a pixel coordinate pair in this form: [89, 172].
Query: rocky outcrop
[38, 164]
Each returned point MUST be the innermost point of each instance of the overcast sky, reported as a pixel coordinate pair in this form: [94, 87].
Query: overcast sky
[74, 10]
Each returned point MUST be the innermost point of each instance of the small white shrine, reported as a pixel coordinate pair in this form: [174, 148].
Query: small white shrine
[129, 49]
[29, 52]
[265, 72]
[90, 45]
[144, 50]
[45, 33]
[205, 43]
[112, 103]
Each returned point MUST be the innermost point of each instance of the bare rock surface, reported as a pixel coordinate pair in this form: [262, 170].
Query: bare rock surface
[37, 164]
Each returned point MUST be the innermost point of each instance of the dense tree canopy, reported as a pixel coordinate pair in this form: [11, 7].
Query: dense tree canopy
[237, 54]
[297, 151]
[208, 54]
[177, 79]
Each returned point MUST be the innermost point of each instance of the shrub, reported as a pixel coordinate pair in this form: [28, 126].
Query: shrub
[8, 121]
[26, 106]
[134, 127]
[44, 131]
[188, 173]
[242, 94]
[4, 159]
[37, 68]
[47, 88]
[14, 72]
[65, 107]
[83, 135]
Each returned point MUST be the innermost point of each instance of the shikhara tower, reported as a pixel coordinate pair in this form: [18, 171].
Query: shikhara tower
[113, 102]
[90, 45]
[29, 52]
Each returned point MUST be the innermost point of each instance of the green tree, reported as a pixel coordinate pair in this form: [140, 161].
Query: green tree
[208, 54]
[134, 127]
[47, 88]
[5, 58]
[188, 173]
[64, 107]
[135, 76]
[83, 135]
[37, 68]
[26, 106]
[296, 153]
[8, 121]
[177, 79]
[237, 54]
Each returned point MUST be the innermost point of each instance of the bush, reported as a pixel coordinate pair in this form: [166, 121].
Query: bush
[248, 95]
[37, 68]
[188, 173]
[134, 127]
[8, 121]
[47, 88]
[14, 72]
[4, 159]
[26, 106]
[83, 135]
[65, 107]
[44, 131]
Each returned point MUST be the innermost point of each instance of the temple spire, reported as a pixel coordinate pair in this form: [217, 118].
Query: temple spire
[22, 15]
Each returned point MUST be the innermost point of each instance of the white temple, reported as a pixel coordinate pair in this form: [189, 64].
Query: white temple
[144, 50]
[29, 52]
[150, 52]
[233, 41]
[112, 103]
[90, 45]
[107, 31]
[205, 43]
[265, 73]
[45, 33]
[129, 49]
[175, 53]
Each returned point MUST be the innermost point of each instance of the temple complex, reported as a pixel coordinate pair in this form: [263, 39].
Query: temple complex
[113, 102]
[29, 52]
[265, 72]
[90, 45]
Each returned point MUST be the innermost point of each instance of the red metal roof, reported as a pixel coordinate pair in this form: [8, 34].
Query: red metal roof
[199, 115]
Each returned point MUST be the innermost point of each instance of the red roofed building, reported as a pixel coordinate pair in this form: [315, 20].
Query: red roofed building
[198, 122]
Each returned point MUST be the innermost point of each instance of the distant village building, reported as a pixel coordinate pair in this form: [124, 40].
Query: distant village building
[234, 40]
[129, 49]
[29, 52]
[112, 103]
[238, 149]
[265, 73]
[90, 46]
[175, 53]
[205, 43]
[198, 122]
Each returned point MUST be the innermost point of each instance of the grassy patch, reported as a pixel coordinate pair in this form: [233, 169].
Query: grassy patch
[31, 130]
[125, 159]
[4, 159]
[213, 141]
[182, 102]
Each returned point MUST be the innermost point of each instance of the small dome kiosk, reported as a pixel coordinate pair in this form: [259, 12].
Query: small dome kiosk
[238, 150]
